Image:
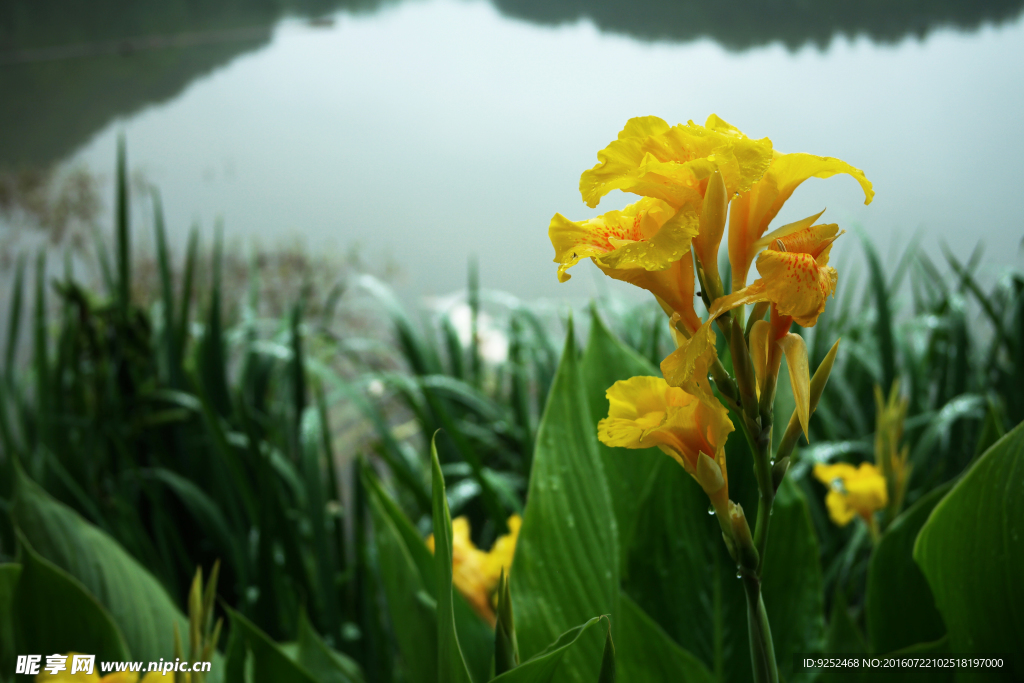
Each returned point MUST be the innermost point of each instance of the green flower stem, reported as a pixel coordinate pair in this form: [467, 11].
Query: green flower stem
[765, 489]
[724, 382]
[762, 650]
[744, 369]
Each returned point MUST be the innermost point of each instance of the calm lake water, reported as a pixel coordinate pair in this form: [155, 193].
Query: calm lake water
[428, 131]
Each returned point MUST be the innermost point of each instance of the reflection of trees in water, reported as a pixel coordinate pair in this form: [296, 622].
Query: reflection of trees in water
[67, 69]
[64, 73]
[740, 24]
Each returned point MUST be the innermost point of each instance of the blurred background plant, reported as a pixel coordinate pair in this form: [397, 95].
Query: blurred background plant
[257, 414]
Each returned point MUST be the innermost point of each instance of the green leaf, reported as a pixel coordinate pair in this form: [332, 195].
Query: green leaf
[451, 666]
[646, 654]
[899, 605]
[566, 563]
[506, 649]
[607, 673]
[971, 551]
[542, 667]
[204, 510]
[270, 663]
[883, 317]
[135, 600]
[54, 613]
[606, 361]
[14, 317]
[9, 576]
[123, 228]
[843, 638]
[681, 575]
[795, 607]
[475, 636]
[322, 662]
[413, 619]
[211, 354]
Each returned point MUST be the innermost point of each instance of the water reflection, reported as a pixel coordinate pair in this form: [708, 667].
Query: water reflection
[64, 73]
[739, 24]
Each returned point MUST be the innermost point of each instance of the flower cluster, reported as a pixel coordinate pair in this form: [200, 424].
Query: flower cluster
[692, 180]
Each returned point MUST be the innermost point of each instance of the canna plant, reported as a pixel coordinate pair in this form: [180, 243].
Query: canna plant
[691, 179]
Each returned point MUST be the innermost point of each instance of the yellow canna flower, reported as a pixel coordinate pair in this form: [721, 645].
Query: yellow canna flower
[646, 244]
[475, 573]
[645, 412]
[853, 491]
[652, 159]
[751, 211]
[796, 274]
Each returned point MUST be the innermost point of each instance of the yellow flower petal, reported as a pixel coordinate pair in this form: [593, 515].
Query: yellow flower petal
[759, 335]
[651, 159]
[576, 240]
[657, 249]
[502, 552]
[475, 573]
[645, 244]
[799, 377]
[751, 212]
[468, 568]
[838, 508]
[690, 362]
[646, 412]
[647, 234]
[674, 286]
[796, 284]
[853, 490]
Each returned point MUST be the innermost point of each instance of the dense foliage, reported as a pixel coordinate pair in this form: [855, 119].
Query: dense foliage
[143, 440]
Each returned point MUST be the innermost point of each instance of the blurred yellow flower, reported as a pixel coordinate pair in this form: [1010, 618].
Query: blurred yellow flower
[645, 412]
[853, 491]
[751, 211]
[475, 573]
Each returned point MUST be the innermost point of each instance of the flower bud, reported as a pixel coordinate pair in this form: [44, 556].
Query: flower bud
[818, 382]
[746, 553]
[711, 228]
[709, 475]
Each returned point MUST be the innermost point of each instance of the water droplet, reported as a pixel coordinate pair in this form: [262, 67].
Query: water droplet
[772, 462]
[739, 574]
[711, 509]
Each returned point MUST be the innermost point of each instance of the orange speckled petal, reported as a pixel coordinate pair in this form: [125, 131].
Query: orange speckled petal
[576, 240]
[796, 284]
[670, 243]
